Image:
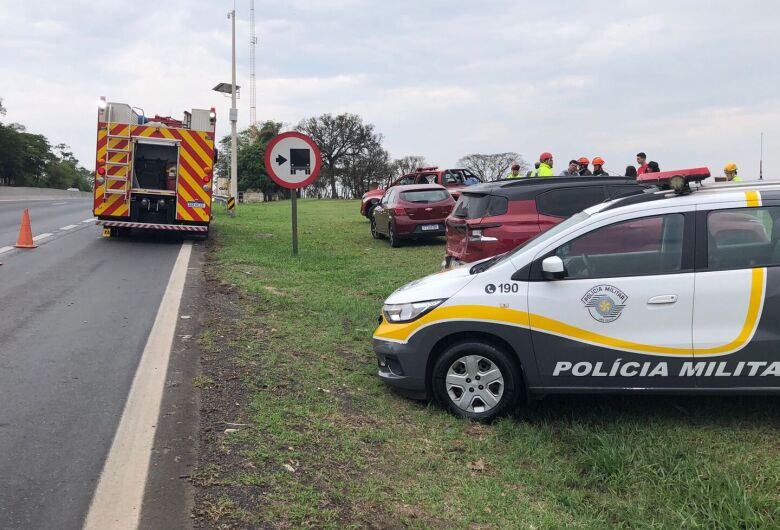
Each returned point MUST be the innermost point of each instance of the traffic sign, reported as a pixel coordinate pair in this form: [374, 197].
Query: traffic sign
[292, 160]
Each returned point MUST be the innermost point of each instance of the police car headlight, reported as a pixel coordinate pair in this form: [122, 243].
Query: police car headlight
[408, 312]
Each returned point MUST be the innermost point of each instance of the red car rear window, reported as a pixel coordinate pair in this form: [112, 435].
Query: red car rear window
[425, 196]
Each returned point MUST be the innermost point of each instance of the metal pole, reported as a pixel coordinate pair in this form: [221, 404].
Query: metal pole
[293, 196]
[233, 120]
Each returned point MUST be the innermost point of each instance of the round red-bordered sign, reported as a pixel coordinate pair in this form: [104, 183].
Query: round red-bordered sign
[292, 160]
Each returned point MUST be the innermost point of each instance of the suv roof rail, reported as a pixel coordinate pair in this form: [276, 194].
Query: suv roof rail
[527, 181]
[427, 168]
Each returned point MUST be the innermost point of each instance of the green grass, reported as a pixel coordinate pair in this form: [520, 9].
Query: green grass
[362, 456]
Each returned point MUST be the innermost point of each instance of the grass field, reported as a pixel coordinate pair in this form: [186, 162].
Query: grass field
[328, 445]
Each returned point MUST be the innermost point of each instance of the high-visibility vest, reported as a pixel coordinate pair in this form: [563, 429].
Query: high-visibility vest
[512, 176]
[542, 171]
[736, 178]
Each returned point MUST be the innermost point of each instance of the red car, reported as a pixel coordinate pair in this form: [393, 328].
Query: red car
[495, 217]
[410, 212]
[452, 179]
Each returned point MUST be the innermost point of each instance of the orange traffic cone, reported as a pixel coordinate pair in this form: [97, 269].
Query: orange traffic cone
[25, 232]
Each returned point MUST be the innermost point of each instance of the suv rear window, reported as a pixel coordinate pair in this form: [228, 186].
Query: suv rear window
[425, 196]
[472, 206]
[564, 202]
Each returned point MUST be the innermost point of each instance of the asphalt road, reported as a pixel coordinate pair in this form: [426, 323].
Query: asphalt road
[75, 314]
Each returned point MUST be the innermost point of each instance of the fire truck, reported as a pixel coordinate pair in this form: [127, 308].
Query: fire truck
[153, 173]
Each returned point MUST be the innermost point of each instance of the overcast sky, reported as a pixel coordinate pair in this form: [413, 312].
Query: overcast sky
[690, 83]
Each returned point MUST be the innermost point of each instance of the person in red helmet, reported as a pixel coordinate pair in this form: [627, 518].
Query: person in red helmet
[598, 169]
[515, 174]
[545, 166]
[583, 162]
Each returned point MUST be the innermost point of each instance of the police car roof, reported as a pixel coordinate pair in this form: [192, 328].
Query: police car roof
[703, 193]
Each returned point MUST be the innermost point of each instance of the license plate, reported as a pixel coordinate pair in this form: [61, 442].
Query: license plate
[430, 227]
[106, 232]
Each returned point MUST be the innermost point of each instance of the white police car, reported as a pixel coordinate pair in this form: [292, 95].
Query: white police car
[662, 291]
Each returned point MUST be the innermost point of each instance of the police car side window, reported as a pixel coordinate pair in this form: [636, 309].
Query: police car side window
[743, 238]
[637, 247]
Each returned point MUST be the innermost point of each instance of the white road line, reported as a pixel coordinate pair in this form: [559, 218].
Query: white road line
[68, 227]
[118, 496]
[88, 220]
[58, 203]
[5, 249]
[42, 236]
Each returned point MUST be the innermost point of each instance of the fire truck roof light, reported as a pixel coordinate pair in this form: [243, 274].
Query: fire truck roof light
[102, 102]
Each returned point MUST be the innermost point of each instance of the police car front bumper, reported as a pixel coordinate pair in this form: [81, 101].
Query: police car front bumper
[402, 367]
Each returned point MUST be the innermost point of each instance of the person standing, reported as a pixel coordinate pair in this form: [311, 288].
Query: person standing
[545, 166]
[631, 171]
[652, 167]
[515, 174]
[730, 170]
[598, 169]
[583, 163]
[641, 159]
[572, 171]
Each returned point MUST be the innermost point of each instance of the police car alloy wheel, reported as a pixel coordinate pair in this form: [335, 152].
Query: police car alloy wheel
[476, 380]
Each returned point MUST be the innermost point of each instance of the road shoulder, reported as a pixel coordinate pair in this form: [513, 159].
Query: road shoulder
[168, 495]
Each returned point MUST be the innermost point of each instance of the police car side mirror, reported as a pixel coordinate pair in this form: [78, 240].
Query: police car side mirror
[553, 268]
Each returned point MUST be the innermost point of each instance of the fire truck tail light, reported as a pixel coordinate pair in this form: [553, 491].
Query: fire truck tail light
[102, 102]
[101, 171]
[213, 113]
[206, 187]
[100, 181]
[101, 160]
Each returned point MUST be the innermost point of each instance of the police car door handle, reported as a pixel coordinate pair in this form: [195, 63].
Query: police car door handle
[663, 299]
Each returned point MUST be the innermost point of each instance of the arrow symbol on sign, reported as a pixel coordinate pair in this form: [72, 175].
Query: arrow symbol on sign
[280, 160]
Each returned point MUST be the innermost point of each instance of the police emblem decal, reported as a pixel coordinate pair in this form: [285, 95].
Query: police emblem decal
[605, 302]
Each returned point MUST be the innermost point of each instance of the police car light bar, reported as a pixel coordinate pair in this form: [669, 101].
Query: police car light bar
[677, 180]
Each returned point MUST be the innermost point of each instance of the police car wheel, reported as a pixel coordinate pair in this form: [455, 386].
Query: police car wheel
[374, 233]
[476, 380]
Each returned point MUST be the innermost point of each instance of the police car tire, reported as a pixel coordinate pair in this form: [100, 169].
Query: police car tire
[507, 366]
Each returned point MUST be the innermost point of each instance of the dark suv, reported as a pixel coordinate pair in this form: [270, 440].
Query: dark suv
[495, 217]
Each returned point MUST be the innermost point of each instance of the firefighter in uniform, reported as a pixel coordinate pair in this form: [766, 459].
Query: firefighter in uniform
[730, 170]
[545, 166]
[515, 174]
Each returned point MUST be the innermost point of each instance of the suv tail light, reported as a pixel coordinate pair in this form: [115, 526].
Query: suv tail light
[399, 211]
[476, 232]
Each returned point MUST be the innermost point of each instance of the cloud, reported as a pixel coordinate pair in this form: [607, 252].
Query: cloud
[688, 83]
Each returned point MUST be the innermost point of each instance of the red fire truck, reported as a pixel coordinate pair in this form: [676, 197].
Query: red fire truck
[153, 173]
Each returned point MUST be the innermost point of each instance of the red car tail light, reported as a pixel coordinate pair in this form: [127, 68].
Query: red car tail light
[399, 211]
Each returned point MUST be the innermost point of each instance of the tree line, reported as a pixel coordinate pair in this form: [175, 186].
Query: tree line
[353, 158]
[28, 159]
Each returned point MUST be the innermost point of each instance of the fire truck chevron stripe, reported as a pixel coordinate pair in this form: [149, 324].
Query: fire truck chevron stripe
[119, 129]
[118, 143]
[128, 224]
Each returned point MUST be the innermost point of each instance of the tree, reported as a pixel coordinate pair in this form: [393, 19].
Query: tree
[361, 170]
[2, 108]
[492, 167]
[407, 164]
[251, 145]
[337, 137]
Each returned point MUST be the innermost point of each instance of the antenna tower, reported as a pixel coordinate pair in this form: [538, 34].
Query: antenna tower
[252, 45]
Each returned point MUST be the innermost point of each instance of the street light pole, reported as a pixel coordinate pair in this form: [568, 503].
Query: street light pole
[233, 120]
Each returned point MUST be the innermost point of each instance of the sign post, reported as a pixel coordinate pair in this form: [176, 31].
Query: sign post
[293, 161]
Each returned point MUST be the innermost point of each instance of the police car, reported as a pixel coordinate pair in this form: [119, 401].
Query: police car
[665, 291]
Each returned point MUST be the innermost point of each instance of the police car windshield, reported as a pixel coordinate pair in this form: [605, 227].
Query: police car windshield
[542, 237]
